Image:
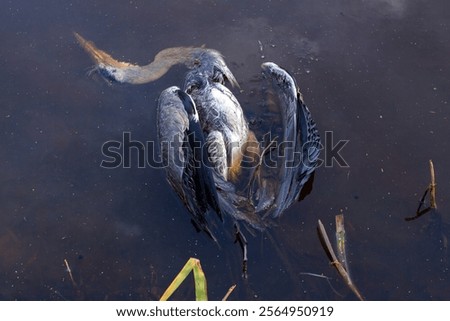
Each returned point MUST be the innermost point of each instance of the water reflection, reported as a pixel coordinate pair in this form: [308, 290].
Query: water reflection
[375, 73]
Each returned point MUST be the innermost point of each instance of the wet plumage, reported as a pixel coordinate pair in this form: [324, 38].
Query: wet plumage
[203, 134]
[180, 134]
[300, 136]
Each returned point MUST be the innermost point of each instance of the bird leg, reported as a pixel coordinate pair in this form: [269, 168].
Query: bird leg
[240, 238]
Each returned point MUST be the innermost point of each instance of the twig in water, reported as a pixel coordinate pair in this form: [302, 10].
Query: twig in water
[231, 289]
[323, 277]
[432, 186]
[334, 260]
[340, 240]
[70, 273]
[432, 189]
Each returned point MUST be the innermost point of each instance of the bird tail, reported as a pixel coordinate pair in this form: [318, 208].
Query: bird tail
[238, 207]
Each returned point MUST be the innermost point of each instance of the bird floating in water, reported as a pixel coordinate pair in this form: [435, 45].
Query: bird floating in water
[204, 138]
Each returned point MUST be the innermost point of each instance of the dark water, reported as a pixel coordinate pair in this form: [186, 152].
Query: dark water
[373, 72]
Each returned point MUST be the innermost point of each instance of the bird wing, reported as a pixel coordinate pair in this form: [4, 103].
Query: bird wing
[184, 156]
[172, 125]
[299, 149]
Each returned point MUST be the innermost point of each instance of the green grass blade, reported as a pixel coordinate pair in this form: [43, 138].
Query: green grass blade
[201, 293]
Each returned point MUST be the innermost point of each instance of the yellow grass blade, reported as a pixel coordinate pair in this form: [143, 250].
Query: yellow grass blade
[199, 280]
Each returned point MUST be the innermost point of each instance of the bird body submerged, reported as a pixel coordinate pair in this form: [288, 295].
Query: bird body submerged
[203, 134]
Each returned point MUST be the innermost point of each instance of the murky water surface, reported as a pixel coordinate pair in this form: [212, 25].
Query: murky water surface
[375, 73]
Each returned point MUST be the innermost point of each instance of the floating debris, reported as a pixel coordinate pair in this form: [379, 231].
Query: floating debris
[69, 270]
[340, 267]
[430, 189]
[340, 240]
[432, 186]
[231, 289]
[261, 49]
[323, 277]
